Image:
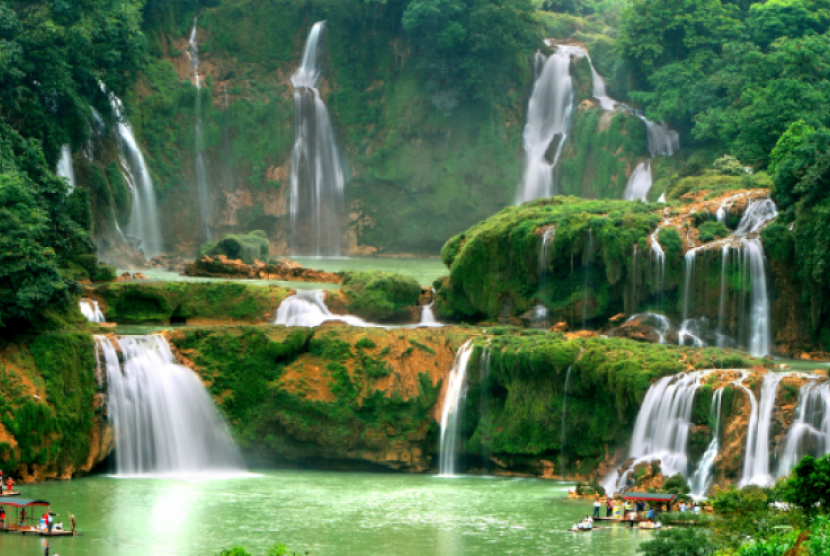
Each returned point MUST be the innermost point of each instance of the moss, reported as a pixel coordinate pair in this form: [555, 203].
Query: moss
[161, 302]
[710, 231]
[380, 295]
[249, 247]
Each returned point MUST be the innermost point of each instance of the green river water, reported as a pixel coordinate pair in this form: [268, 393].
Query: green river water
[324, 513]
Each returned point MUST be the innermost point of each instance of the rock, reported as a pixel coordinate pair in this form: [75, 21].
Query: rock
[139, 276]
[222, 266]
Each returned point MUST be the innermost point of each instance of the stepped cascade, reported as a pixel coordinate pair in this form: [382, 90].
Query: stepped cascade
[318, 176]
[810, 432]
[89, 308]
[143, 226]
[165, 422]
[548, 119]
[201, 172]
[65, 168]
[452, 411]
[756, 458]
[662, 427]
[662, 141]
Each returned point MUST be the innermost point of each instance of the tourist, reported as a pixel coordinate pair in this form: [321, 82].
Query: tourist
[3, 517]
[609, 508]
[697, 509]
[72, 521]
[651, 513]
[10, 485]
[46, 550]
[1, 482]
[596, 507]
[50, 519]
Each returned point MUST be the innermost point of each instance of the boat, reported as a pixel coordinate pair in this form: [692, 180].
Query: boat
[15, 525]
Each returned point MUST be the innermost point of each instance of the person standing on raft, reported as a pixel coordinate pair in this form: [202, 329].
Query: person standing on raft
[596, 508]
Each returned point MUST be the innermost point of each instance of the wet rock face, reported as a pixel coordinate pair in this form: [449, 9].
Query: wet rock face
[284, 270]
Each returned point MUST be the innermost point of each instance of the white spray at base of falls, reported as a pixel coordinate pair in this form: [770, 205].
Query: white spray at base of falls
[144, 224]
[548, 119]
[452, 411]
[89, 308]
[662, 428]
[65, 168]
[201, 172]
[164, 420]
[810, 432]
[318, 178]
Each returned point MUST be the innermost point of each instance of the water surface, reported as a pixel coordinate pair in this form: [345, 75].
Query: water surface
[325, 513]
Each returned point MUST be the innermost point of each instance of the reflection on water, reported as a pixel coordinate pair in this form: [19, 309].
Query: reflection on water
[326, 513]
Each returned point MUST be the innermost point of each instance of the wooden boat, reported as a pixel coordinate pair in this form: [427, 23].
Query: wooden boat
[17, 526]
[586, 530]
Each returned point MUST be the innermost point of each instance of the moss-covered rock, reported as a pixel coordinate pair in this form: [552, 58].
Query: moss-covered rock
[379, 296]
[245, 247]
[205, 302]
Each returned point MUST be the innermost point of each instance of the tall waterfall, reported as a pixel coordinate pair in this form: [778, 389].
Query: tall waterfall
[65, 169]
[756, 458]
[144, 222]
[452, 411]
[165, 423]
[318, 177]
[662, 427]
[702, 479]
[201, 172]
[810, 432]
[639, 183]
[548, 119]
[89, 308]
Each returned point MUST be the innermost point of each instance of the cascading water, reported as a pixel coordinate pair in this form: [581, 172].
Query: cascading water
[564, 422]
[639, 183]
[658, 261]
[65, 169]
[164, 421]
[201, 172]
[756, 459]
[548, 120]
[308, 308]
[702, 479]
[451, 412]
[144, 222]
[540, 311]
[810, 432]
[318, 177]
[659, 323]
[689, 332]
[89, 308]
[662, 428]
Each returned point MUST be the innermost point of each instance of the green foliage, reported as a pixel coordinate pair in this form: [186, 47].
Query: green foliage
[678, 542]
[380, 295]
[278, 550]
[710, 231]
[248, 248]
[743, 513]
[808, 486]
[676, 484]
[160, 302]
[728, 165]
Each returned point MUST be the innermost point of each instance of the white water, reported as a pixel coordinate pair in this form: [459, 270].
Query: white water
[65, 169]
[201, 172]
[662, 427]
[658, 260]
[606, 103]
[452, 411]
[548, 120]
[318, 176]
[165, 423]
[144, 222]
[756, 459]
[564, 421]
[701, 481]
[89, 309]
[810, 432]
[639, 183]
[659, 323]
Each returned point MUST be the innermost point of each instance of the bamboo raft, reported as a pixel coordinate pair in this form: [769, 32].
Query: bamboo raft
[35, 532]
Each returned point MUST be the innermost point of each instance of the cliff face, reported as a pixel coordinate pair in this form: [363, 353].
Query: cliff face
[53, 423]
[335, 396]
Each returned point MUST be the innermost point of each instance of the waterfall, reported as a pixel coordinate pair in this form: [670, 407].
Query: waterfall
[317, 175]
[308, 308]
[144, 222]
[702, 479]
[548, 119]
[451, 412]
[201, 172]
[756, 458]
[564, 415]
[89, 308]
[540, 311]
[721, 332]
[428, 317]
[164, 420]
[658, 260]
[659, 323]
[65, 169]
[662, 427]
[690, 327]
[606, 103]
[639, 184]
[810, 432]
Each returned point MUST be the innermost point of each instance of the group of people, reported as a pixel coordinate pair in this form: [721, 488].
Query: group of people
[585, 525]
[684, 507]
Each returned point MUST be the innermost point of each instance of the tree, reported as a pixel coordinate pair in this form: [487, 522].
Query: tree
[808, 486]
[744, 513]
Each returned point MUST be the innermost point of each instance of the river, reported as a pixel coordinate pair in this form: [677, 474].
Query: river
[324, 513]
